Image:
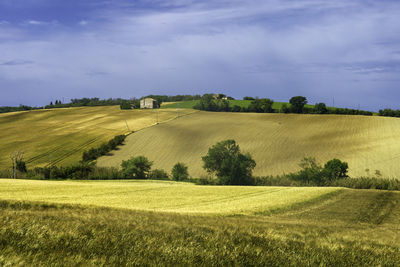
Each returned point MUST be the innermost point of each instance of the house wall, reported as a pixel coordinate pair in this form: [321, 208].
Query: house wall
[147, 103]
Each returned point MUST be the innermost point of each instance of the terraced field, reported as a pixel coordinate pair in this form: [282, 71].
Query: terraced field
[276, 141]
[322, 227]
[59, 136]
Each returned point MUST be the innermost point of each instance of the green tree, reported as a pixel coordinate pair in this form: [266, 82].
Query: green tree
[320, 108]
[230, 165]
[311, 171]
[207, 103]
[136, 167]
[297, 103]
[180, 172]
[335, 169]
[21, 165]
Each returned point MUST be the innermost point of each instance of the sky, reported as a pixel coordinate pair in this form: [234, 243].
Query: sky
[345, 53]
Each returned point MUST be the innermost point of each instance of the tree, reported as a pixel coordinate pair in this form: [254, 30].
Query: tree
[18, 163]
[230, 165]
[207, 103]
[248, 98]
[136, 167]
[335, 169]
[320, 108]
[285, 108]
[180, 172]
[311, 171]
[298, 103]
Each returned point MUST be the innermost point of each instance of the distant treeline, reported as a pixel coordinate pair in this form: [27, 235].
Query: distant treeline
[13, 109]
[165, 98]
[94, 101]
[297, 104]
[389, 112]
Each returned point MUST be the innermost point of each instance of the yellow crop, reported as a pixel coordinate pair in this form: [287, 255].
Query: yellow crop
[161, 195]
[277, 142]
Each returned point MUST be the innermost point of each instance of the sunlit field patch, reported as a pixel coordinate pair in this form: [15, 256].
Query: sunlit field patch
[161, 195]
[59, 136]
[277, 142]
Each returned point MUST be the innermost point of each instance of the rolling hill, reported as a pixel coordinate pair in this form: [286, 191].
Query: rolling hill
[276, 141]
[59, 136]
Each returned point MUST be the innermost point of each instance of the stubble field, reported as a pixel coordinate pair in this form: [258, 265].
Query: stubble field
[59, 136]
[277, 142]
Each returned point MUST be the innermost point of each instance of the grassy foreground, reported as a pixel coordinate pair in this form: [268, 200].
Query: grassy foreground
[348, 228]
[59, 136]
[277, 142]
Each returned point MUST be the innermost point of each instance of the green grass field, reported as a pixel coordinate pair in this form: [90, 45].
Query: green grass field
[277, 142]
[337, 227]
[59, 136]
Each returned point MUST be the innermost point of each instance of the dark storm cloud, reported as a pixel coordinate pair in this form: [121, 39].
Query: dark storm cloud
[275, 48]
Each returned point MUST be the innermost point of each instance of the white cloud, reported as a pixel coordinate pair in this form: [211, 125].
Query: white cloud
[83, 22]
[36, 22]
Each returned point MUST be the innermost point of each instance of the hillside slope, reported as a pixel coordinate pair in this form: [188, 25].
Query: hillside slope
[59, 136]
[276, 141]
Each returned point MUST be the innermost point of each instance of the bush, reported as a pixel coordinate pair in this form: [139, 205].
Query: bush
[21, 166]
[229, 164]
[158, 174]
[95, 153]
[180, 172]
[136, 167]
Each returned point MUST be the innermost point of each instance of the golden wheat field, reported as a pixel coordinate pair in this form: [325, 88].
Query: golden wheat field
[162, 196]
[59, 136]
[277, 142]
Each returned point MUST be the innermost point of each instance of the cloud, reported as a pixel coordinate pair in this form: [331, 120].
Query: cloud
[83, 22]
[16, 62]
[36, 22]
[272, 48]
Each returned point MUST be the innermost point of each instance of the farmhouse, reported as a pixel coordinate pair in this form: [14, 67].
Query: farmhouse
[148, 103]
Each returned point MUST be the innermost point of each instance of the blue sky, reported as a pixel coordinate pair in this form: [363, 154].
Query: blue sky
[348, 51]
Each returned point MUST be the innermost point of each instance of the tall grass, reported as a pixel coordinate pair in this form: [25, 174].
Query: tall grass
[54, 235]
[354, 183]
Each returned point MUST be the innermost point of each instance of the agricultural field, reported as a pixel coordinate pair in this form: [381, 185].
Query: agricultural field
[59, 136]
[334, 227]
[166, 196]
[277, 142]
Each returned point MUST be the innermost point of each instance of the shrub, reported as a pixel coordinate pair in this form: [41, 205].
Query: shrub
[180, 172]
[94, 153]
[21, 166]
[136, 167]
[158, 174]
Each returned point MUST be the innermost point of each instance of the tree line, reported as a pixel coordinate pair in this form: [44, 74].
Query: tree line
[297, 104]
[387, 112]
